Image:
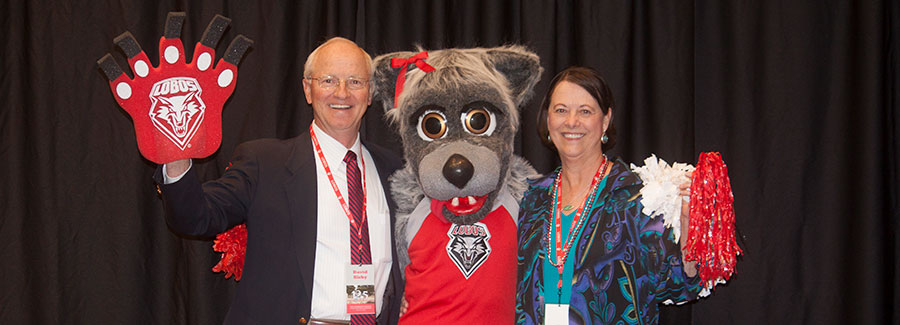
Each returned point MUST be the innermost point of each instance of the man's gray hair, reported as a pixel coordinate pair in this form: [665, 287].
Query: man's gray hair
[311, 59]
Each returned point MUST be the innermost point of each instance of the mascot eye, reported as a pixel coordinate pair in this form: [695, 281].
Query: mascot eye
[478, 121]
[432, 125]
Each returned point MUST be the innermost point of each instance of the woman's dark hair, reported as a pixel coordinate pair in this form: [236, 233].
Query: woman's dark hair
[591, 81]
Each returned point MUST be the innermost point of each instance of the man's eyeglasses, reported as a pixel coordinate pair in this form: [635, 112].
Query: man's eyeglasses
[332, 82]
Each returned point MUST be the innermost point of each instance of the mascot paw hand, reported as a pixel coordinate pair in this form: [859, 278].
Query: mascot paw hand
[176, 107]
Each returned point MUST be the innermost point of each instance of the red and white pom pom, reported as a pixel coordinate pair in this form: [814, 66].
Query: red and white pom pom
[711, 236]
[233, 245]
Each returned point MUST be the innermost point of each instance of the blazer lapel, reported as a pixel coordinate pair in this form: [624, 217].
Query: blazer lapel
[394, 289]
[302, 197]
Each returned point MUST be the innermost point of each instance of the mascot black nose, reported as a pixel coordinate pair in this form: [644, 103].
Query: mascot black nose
[458, 170]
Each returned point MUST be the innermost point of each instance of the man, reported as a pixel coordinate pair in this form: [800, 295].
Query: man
[306, 201]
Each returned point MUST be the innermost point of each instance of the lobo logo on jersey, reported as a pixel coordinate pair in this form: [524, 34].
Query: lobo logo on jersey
[468, 246]
[176, 109]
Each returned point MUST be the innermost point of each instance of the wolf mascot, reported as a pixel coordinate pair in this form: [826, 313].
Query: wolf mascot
[457, 113]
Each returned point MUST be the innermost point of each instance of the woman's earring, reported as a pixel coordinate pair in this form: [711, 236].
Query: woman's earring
[548, 138]
[604, 138]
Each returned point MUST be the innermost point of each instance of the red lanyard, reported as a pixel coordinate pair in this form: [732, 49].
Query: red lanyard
[337, 191]
[563, 252]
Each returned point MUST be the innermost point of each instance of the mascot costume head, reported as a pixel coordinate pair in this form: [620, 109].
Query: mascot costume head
[457, 112]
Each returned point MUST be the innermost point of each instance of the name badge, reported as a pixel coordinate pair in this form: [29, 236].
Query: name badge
[360, 281]
[556, 314]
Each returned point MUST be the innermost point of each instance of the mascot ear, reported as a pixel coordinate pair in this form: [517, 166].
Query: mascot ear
[521, 67]
[386, 78]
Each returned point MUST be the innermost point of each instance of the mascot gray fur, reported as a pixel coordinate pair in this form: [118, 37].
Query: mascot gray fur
[457, 112]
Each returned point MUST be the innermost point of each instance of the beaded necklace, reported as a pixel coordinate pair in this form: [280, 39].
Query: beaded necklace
[580, 216]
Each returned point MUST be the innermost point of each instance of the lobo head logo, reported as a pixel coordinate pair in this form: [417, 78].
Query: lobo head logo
[468, 247]
[176, 108]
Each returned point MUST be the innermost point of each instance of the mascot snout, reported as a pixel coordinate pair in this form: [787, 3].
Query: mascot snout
[460, 177]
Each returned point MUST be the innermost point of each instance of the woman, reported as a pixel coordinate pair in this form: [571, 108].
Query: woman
[587, 254]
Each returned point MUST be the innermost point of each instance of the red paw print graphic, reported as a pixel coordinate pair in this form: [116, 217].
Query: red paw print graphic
[177, 106]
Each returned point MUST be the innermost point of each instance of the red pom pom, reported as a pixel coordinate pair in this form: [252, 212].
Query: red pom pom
[711, 239]
[233, 245]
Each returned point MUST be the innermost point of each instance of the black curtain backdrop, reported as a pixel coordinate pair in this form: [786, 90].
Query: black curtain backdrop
[800, 97]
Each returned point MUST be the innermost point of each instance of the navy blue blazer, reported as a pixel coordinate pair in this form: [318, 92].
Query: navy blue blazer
[271, 185]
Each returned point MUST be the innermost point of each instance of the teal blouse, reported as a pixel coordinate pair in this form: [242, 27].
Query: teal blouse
[552, 294]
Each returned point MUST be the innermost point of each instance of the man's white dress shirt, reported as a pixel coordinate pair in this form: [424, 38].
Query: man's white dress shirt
[333, 230]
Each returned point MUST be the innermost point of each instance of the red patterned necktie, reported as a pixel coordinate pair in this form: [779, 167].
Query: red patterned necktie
[359, 226]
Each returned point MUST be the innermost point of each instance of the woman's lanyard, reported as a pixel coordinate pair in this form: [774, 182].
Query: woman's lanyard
[337, 191]
[562, 252]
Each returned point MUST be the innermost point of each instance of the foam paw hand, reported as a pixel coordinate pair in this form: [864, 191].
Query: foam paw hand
[177, 106]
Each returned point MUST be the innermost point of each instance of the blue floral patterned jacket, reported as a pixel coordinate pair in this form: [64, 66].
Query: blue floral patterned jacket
[626, 263]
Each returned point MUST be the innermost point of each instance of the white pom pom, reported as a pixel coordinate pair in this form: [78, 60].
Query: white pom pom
[660, 194]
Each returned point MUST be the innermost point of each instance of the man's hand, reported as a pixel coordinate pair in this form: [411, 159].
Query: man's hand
[177, 106]
[404, 305]
[178, 167]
